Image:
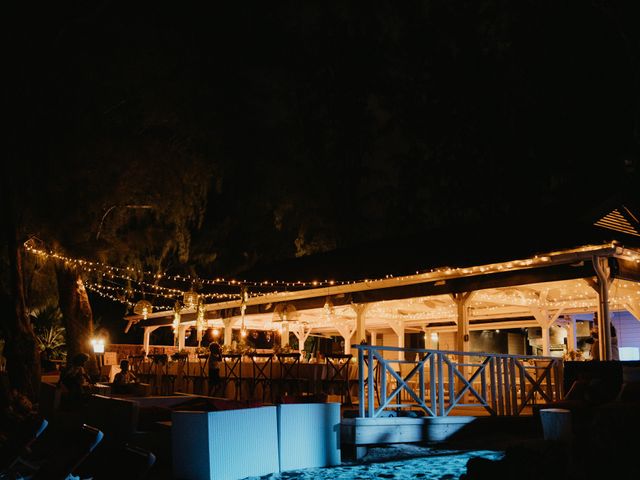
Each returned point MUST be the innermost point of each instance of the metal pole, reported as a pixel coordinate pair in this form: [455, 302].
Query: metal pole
[361, 382]
[604, 321]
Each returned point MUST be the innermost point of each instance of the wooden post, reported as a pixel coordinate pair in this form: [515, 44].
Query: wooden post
[147, 337]
[346, 331]
[228, 329]
[284, 334]
[182, 329]
[301, 331]
[633, 308]
[462, 301]
[398, 329]
[546, 350]
[361, 334]
[545, 319]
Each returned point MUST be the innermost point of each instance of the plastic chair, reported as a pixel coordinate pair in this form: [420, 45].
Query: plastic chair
[128, 463]
[338, 375]
[16, 448]
[61, 458]
[262, 374]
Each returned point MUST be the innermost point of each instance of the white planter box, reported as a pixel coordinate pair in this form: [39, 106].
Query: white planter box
[309, 435]
[224, 445]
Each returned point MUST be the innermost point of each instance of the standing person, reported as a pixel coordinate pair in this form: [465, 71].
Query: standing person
[215, 357]
[615, 353]
[595, 345]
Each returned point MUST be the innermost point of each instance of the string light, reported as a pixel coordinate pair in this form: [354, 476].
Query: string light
[126, 272]
[176, 318]
[499, 301]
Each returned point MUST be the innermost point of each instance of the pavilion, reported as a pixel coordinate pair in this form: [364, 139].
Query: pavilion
[537, 274]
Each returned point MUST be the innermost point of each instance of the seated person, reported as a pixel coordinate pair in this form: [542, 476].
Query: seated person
[124, 379]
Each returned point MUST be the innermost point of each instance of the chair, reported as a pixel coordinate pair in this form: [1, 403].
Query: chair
[159, 370]
[135, 364]
[198, 374]
[61, 459]
[142, 368]
[128, 463]
[262, 374]
[233, 372]
[182, 366]
[289, 382]
[19, 445]
[338, 375]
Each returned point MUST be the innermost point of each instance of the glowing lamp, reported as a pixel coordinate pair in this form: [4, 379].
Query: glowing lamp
[143, 307]
[190, 299]
[98, 345]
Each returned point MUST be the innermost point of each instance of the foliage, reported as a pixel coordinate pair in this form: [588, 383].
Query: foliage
[242, 348]
[50, 334]
[574, 355]
[282, 348]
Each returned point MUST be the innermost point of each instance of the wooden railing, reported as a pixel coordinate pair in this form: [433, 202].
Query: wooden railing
[438, 381]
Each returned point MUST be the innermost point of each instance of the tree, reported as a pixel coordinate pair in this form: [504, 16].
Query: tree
[73, 156]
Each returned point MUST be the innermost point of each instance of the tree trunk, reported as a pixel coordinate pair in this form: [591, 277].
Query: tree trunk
[76, 311]
[21, 350]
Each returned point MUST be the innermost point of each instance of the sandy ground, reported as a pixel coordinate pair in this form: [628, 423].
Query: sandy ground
[401, 461]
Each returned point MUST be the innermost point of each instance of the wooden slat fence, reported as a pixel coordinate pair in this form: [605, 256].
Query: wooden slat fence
[438, 381]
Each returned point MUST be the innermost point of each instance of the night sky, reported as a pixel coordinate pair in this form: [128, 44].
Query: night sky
[323, 125]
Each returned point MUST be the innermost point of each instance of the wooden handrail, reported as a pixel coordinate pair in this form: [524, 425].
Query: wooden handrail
[441, 380]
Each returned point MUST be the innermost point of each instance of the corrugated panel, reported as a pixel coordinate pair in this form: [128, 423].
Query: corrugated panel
[620, 220]
[309, 435]
[627, 329]
[225, 445]
[243, 443]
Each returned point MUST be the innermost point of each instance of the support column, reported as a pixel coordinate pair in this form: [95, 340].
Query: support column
[374, 337]
[147, 337]
[284, 334]
[182, 330]
[228, 329]
[572, 341]
[428, 339]
[546, 350]
[361, 334]
[545, 319]
[346, 331]
[301, 331]
[633, 308]
[398, 329]
[604, 281]
[462, 301]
